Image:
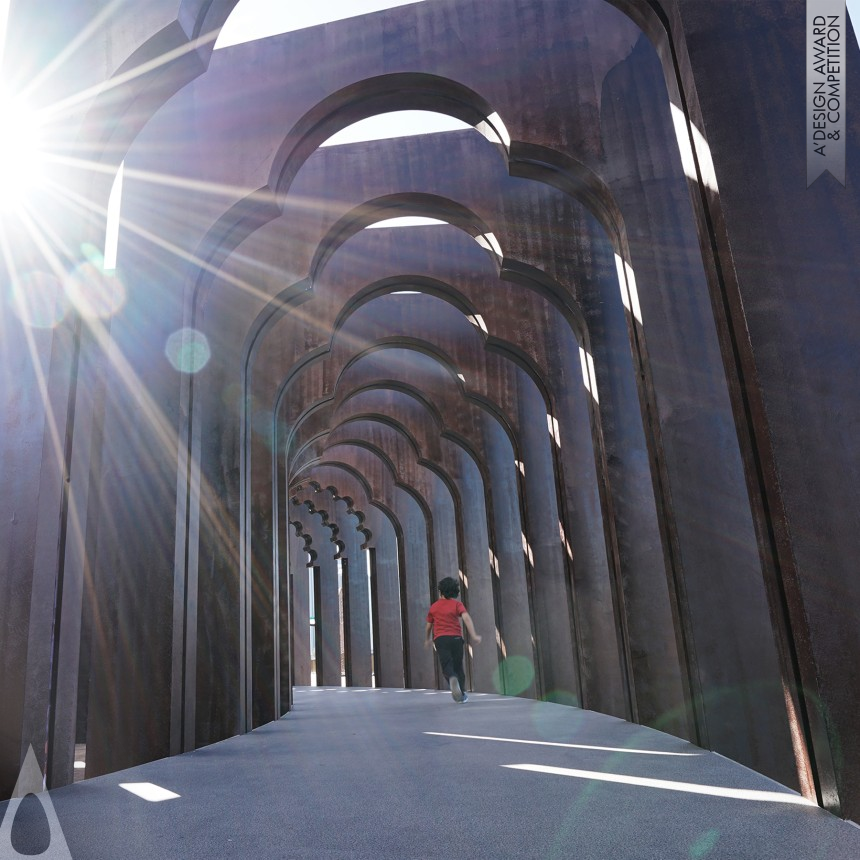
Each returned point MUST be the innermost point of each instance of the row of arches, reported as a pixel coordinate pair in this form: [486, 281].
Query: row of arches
[534, 393]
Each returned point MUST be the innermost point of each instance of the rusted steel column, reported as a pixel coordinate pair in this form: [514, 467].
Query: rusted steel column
[738, 695]
[31, 456]
[657, 681]
[789, 337]
[355, 561]
[388, 662]
[301, 601]
[590, 537]
[327, 612]
[552, 599]
[517, 674]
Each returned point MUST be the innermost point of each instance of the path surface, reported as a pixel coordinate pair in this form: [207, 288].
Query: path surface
[410, 775]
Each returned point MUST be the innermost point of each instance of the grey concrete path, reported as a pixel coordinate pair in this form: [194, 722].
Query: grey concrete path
[410, 775]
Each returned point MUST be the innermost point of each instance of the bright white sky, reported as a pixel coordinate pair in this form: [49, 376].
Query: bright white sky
[257, 19]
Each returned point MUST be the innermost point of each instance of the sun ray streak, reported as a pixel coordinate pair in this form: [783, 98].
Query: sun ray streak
[127, 224]
[87, 33]
[231, 193]
[68, 105]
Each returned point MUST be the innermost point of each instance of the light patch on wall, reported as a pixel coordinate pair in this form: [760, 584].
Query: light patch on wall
[629, 290]
[593, 378]
[566, 543]
[588, 379]
[527, 549]
[552, 426]
[112, 227]
[702, 150]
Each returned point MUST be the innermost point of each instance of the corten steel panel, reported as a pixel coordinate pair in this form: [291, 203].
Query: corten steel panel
[131, 656]
[515, 628]
[656, 673]
[300, 589]
[478, 595]
[591, 535]
[23, 615]
[730, 648]
[359, 671]
[788, 260]
[388, 656]
[327, 611]
[78, 545]
[555, 628]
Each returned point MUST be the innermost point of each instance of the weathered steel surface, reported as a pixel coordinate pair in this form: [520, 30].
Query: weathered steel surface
[670, 538]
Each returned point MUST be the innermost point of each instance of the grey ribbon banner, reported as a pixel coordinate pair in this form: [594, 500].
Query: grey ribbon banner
[826, 38]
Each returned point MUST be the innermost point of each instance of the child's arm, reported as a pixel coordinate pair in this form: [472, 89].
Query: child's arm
[428, 634]
[467, 620]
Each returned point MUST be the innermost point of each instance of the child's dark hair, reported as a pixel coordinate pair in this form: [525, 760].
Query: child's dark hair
[449, 587]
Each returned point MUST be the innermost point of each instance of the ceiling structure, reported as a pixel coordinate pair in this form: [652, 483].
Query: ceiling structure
[596, 393]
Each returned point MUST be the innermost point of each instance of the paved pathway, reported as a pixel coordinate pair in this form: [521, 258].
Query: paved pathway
[356, 774]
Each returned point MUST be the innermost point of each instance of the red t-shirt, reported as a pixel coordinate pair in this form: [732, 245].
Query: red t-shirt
[444, 615]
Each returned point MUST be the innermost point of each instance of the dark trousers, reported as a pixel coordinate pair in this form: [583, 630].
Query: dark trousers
[450, 651]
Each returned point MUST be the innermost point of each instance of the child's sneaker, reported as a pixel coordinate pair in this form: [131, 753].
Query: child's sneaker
[456, 692]
[465, 698]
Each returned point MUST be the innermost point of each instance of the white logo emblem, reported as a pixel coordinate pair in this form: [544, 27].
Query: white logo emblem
[30, 782]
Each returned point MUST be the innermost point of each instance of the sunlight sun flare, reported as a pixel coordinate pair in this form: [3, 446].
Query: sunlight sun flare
[21, 157]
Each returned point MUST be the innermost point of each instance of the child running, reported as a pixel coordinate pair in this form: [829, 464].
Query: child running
[445, 631]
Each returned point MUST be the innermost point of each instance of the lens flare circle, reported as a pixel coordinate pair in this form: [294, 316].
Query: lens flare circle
[188, 350]
[513, 675]
[39, 300]
[95, 293]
